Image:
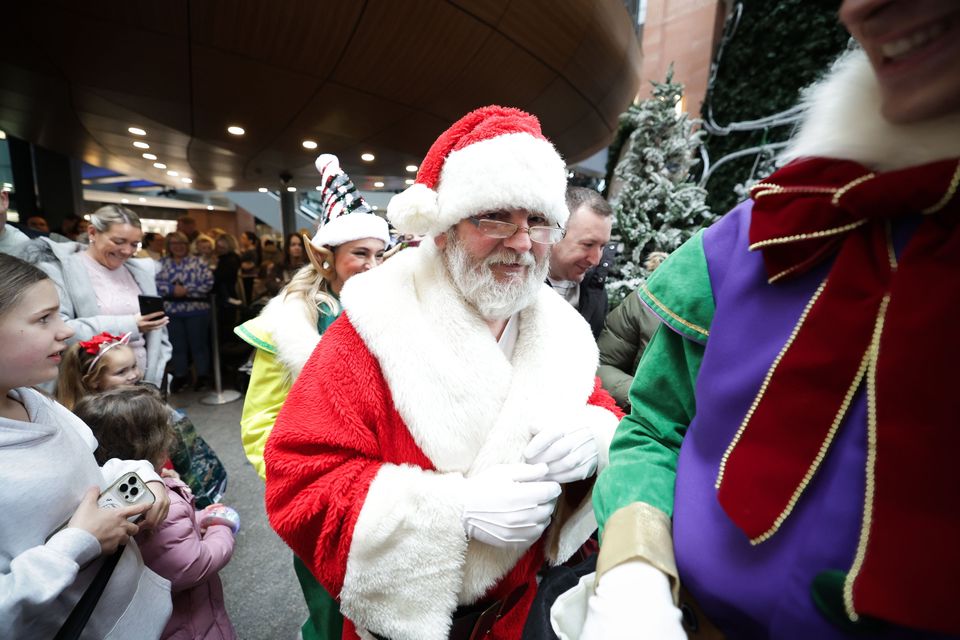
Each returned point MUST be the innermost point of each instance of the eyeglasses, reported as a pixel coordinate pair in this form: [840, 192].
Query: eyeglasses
[503, 230]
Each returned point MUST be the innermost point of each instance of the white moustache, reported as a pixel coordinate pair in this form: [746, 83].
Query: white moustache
[508, 256]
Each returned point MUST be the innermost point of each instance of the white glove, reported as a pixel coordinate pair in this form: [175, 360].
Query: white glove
[570, 454]
[633, 601]
[508, 505]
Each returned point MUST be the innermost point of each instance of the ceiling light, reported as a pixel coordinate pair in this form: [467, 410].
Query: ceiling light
[234, 130]
[3, 135]
[319, 187]
[411, 168]
[186, 180]
[409, 181]
[149, 156]
[124, 200]
[141, 145]
[378, 184]
[291, 189]
[142, 199]
[263, 190]
[367, 157]
[159, 165]
[172, 174]
[137, 131]
[209, 207]
[376, 208]
[309, 144]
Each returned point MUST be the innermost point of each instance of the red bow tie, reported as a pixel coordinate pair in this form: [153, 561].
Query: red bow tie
[880, 322]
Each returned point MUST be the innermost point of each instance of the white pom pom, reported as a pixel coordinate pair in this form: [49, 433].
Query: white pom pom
[415, 211]
[325, 159]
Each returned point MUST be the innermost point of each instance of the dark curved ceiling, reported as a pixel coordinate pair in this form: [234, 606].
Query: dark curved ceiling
[378, 76]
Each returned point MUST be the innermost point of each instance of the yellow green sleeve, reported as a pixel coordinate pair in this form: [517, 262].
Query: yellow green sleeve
[269, 385]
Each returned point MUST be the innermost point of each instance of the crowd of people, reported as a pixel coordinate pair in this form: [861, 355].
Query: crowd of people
[756, 449]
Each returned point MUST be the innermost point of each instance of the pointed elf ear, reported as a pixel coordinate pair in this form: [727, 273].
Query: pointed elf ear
[322, 260]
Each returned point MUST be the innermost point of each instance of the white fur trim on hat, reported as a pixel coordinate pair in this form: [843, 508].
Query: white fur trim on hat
[352, 226]
[511, 171]
[414, 210]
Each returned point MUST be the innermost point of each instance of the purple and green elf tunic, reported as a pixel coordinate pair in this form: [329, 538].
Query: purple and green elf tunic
[724, 326]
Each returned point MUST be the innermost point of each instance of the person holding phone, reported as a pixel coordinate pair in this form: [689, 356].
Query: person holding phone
[99, 283]
[49, 476]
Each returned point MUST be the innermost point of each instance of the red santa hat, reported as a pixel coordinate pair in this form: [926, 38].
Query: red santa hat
[346, 215]
[492, 158]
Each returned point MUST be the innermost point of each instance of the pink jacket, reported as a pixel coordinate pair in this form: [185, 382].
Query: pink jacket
[178, 552]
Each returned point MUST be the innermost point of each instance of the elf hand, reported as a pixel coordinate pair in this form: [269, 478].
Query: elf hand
[633, 602]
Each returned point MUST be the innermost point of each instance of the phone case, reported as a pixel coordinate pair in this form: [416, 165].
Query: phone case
[128, 490]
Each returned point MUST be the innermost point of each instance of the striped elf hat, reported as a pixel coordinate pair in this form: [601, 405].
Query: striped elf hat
[345, 214]
[492, 158]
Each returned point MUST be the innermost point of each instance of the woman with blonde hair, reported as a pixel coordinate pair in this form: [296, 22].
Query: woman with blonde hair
[203, 247]
[350, 241]
[99, 284]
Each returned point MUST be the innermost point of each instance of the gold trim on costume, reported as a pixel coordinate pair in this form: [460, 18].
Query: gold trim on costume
[766, 382]
[873, 353]
[807, 236]
[665, 309]
[639, 531]
[842, 191]
[951, 190]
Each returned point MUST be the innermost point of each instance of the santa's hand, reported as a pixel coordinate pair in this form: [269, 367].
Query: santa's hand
[633, 600]
[570, 454]
[508, 506]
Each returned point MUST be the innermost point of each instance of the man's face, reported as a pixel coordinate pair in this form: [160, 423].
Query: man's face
[913, 46]
[582, 247]
[186, 227]
[498, 276]
[38, 224]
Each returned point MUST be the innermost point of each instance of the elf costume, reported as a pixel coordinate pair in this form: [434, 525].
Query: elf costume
[795, 413]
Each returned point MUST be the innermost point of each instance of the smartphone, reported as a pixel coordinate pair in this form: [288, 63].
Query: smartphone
[128, 490]
[150, 304]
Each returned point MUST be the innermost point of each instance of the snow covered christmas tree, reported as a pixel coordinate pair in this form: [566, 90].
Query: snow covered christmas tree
[658, 206]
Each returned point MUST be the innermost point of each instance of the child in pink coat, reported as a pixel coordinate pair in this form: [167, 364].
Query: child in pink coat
[133, 422]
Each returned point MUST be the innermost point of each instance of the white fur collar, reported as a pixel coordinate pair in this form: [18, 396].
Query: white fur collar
[843, 120]
[466, 406]
[293, 333]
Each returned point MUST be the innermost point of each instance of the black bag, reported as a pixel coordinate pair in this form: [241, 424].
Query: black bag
[77, 620]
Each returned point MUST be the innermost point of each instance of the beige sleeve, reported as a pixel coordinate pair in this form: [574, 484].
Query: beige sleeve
[639, 532]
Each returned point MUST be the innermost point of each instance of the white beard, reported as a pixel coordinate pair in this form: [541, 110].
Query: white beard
[478, 286]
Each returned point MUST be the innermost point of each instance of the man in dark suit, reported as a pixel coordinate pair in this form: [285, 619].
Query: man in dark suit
[579, 262]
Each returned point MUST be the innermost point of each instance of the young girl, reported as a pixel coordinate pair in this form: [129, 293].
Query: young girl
[49, 476]
[133, 421]
[105, 362]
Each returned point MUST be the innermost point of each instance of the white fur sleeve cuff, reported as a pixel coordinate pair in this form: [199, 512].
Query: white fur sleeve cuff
[602, 424]
[405, 565]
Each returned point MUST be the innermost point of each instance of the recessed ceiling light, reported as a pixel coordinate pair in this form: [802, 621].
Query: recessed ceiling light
[141, 145]
[3, 135]
[409, 181]
[137, 131]
[367, 157]
[142, 199]
[263, 190]
[235, 130]
[411, 168]
[309, 144]
[186, 180]
[159, 165]
[124, 200]
[378, 184]
[209, 207]
[172, 174]
[319, 187]
[291, 189]
[149, 156]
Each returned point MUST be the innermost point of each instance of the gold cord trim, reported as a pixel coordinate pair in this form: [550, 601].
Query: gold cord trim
[689, 325]
[807, 236]
[762, 189]
[842, 191]
[874, 355]
[948, 196]
[766, 382]
[891, 252]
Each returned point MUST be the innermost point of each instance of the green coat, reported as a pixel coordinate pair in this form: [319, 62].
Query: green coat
[626, 333]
